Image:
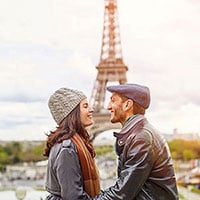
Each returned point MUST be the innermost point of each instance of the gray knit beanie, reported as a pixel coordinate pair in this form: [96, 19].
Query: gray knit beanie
[63, 101]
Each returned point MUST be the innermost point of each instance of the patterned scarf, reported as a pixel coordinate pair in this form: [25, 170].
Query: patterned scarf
[88, 166]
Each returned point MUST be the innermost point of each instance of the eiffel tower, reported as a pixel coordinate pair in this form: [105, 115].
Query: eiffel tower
[111, 67]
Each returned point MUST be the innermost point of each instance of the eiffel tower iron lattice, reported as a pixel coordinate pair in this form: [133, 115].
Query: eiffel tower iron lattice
[111, 67]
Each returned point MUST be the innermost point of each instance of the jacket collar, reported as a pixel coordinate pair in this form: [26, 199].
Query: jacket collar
[131, 128]
[130, 123]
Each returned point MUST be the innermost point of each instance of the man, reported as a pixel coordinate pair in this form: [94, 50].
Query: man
[145, 168]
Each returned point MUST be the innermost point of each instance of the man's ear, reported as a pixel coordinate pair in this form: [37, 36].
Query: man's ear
[128, 104]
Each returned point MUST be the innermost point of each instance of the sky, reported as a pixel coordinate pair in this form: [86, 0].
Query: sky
[48, 44]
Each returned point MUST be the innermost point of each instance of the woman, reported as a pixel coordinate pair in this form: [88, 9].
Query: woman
[71, 170]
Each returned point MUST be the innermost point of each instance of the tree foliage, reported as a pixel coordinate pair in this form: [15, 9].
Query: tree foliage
[16, 152]
[185, 149]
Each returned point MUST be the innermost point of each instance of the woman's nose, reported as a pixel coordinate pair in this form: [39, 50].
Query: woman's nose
[91, 109]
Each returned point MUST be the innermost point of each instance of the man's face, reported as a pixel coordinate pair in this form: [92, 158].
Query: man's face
[116, 107]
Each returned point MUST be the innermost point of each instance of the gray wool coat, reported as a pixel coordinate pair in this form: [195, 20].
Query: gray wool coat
[64, 177]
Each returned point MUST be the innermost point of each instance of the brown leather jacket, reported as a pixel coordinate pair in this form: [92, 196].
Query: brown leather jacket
[145, 168]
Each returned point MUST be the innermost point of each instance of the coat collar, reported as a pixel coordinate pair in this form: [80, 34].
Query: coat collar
[131, 128]
[130, 124]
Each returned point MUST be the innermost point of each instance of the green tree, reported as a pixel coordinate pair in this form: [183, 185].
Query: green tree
[188, 154]
[184, 149]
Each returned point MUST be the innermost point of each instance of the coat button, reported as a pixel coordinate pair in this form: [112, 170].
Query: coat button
[120, 142]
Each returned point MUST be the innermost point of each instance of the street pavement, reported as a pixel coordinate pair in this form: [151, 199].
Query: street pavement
[188, 195]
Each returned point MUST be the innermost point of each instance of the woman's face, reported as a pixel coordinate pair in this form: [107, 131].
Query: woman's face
[86, 113]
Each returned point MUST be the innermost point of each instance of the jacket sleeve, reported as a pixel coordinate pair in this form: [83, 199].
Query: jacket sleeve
[134, 172]
[69, 175]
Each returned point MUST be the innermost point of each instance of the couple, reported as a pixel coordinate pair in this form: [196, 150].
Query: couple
[145, 169]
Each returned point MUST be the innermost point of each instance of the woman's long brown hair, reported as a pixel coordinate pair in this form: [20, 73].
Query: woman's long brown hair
[67, 128]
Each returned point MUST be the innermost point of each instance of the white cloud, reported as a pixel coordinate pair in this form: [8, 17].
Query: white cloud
[20, 120]
[45, 45]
